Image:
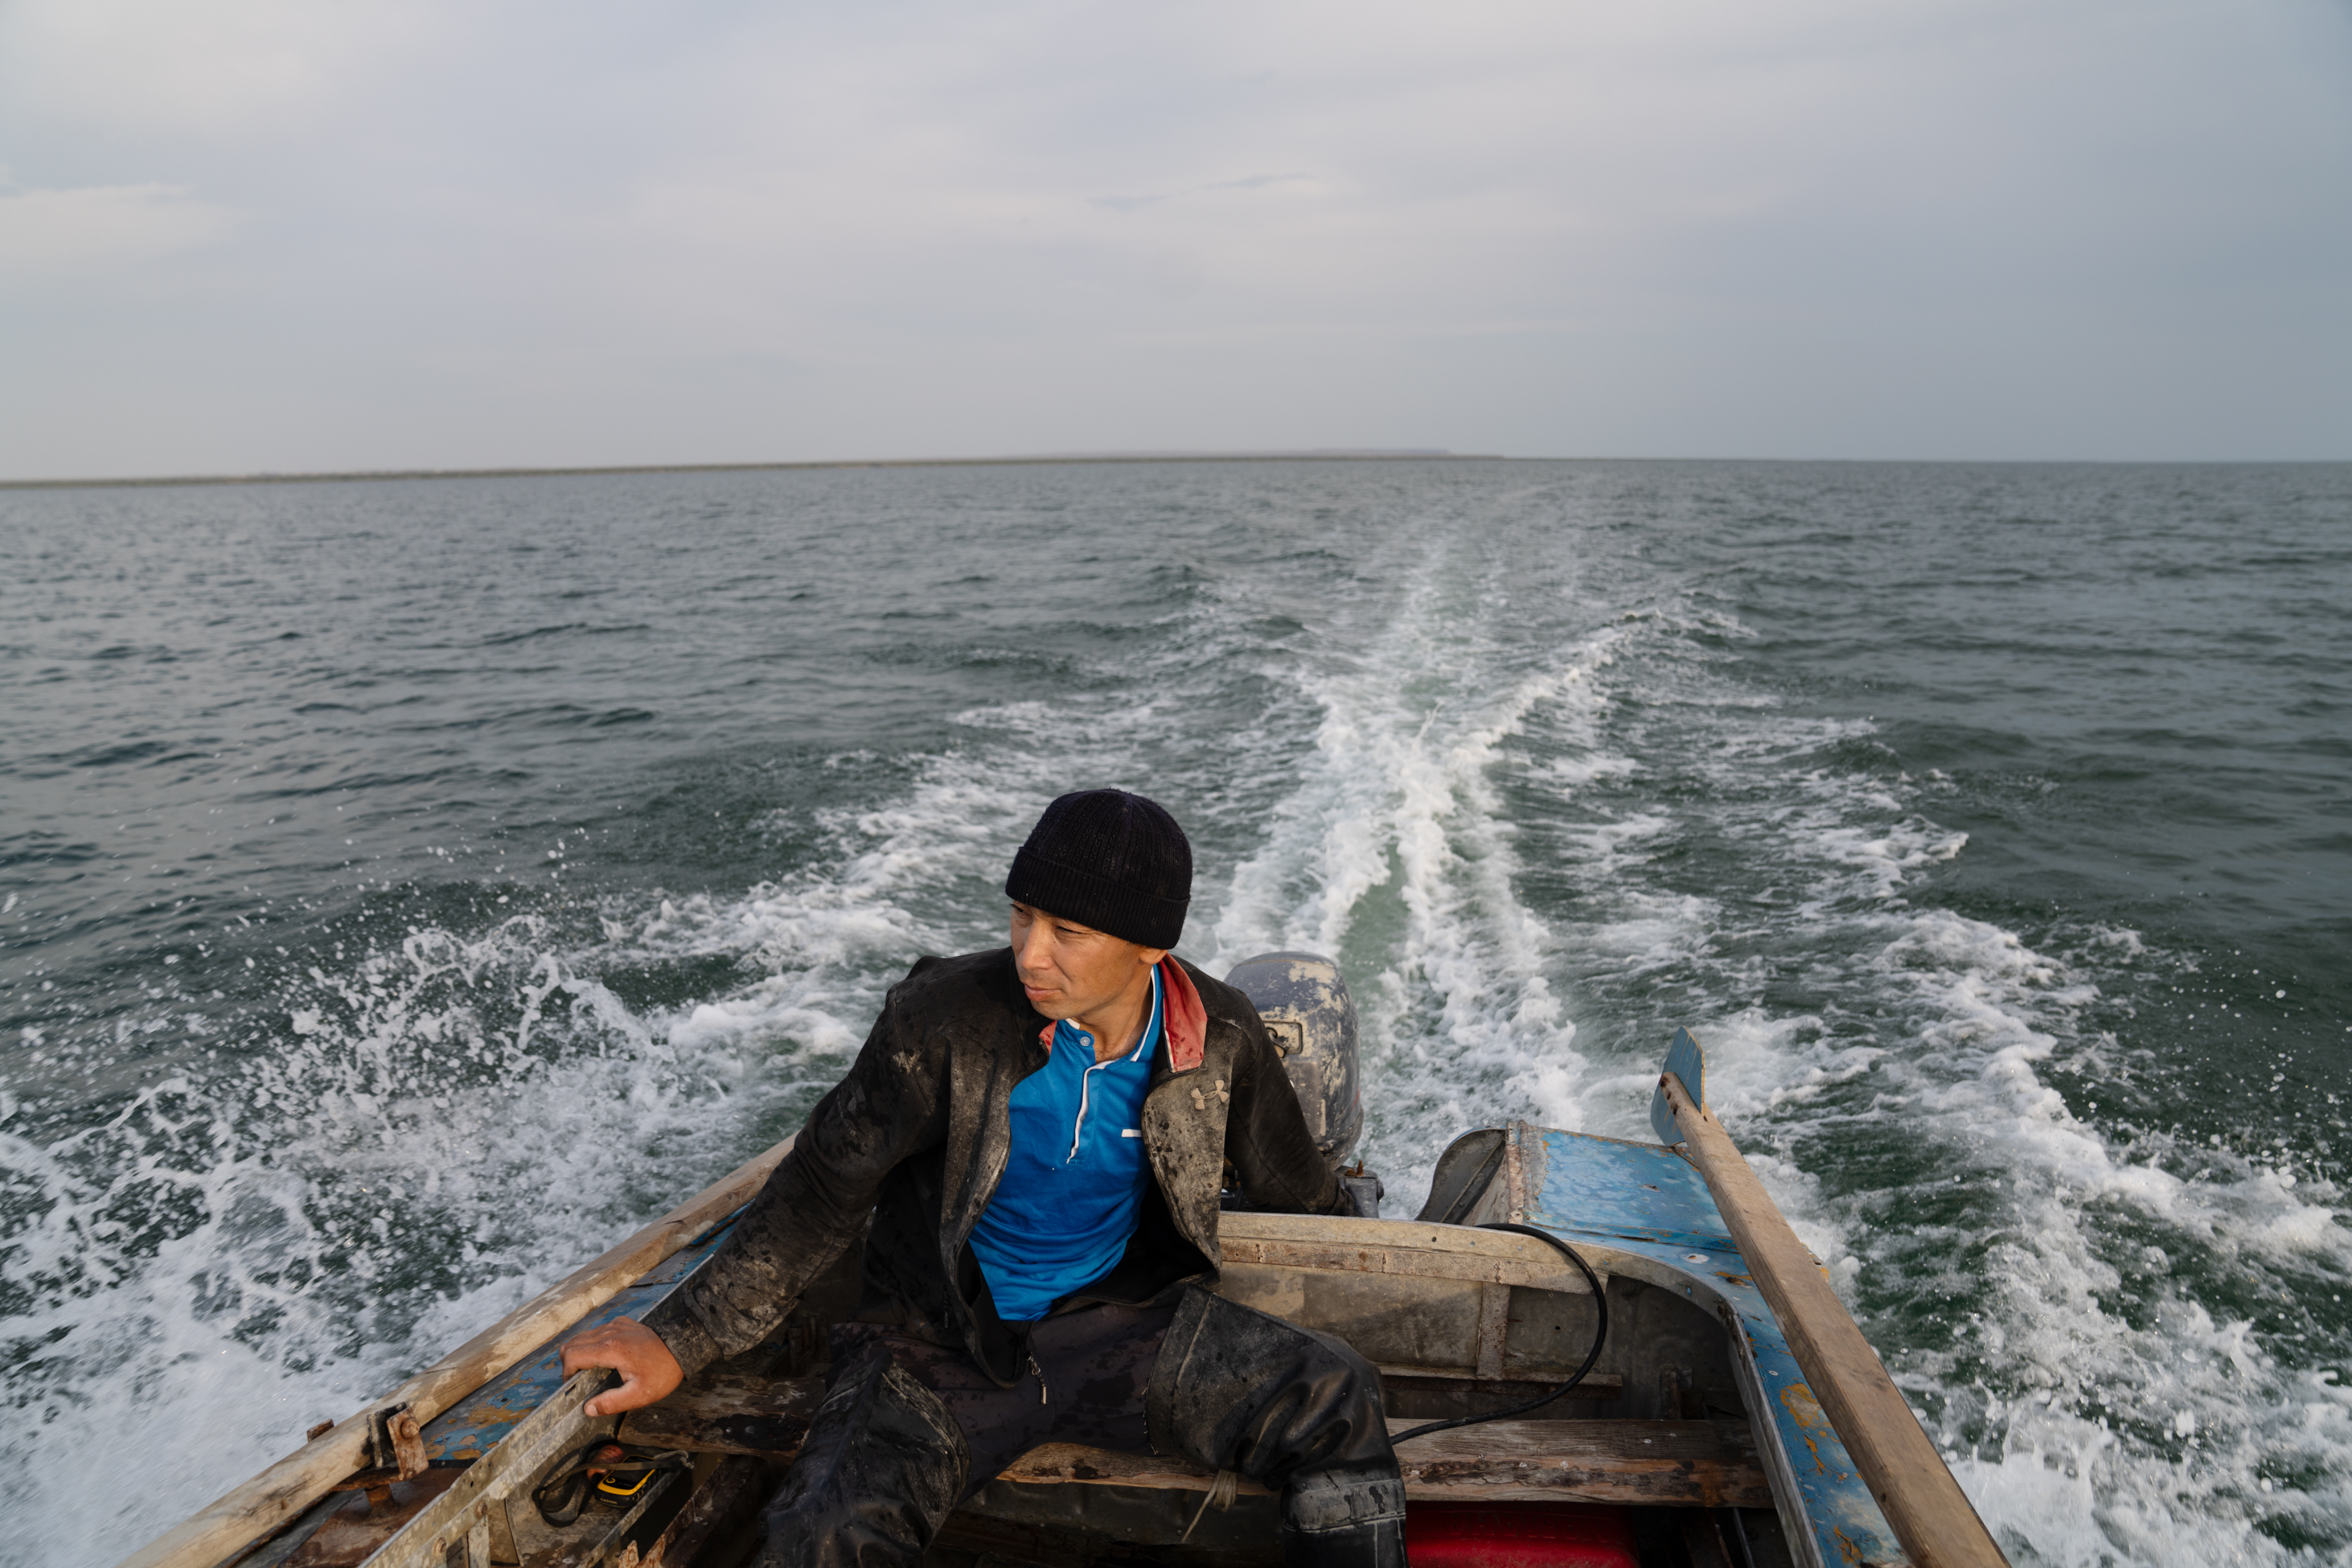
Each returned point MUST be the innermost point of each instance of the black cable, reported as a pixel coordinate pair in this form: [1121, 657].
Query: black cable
[1599, 1338]
[563, 1494]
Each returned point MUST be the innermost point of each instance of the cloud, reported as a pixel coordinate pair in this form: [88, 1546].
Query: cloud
[223, 67]
[63, 234]
[1251, 182]
[506, 230]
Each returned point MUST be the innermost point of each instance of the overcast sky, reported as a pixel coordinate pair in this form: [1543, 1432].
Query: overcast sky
[290, 235]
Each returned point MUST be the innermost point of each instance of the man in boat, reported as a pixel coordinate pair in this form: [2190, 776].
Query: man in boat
[1039, 1135]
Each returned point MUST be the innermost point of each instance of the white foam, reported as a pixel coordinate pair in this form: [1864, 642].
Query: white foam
[232, 1258]
[1397, 808]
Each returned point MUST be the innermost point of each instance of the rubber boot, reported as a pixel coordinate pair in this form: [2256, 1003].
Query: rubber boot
[883, 1466]
[1345, 1516]
[1288, 1407]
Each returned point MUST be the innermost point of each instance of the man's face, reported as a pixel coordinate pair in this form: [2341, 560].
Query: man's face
[1069, 970]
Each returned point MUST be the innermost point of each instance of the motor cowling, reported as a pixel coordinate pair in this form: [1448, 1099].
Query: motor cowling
[1311, 1019]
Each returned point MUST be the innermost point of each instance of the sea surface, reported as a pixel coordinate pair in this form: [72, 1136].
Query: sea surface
[409, 887]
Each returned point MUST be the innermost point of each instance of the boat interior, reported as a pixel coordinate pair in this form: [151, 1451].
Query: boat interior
[1650, 1460]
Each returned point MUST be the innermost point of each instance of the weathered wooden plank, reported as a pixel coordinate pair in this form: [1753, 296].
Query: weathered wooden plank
[1494, 1328]
[1685, 1464]
[768, 1416]
[1054, 1464]
[1547, 1272]
[1681, 1464]
[1395, 1377]
[1393, 1248]
[1913, 1488]
[237, 1519]
[718, 1414]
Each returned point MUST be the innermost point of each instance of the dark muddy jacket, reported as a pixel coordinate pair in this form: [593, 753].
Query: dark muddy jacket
[917, 1135]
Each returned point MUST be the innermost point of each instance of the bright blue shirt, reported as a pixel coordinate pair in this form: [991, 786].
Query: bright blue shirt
[1074, 1182]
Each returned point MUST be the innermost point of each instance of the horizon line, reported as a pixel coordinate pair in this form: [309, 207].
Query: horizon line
[1296, 455]
[1300, 455]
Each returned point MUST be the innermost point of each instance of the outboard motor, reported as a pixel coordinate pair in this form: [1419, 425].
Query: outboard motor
[1312, 1021]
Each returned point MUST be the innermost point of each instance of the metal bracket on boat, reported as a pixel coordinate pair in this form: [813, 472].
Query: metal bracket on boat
[395, 1442]
[454, 1528]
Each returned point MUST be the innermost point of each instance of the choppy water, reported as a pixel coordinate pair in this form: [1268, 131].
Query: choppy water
[410, 886]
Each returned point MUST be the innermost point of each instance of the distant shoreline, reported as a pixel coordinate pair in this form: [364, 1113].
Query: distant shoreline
[1341, 455]
[356, 476]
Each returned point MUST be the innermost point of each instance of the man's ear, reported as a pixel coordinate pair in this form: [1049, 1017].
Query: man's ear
[1149, 957]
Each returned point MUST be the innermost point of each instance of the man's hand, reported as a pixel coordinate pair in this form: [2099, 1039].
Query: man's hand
[648, 1372]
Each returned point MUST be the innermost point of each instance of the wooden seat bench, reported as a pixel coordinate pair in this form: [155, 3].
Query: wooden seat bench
[1690, 1463]
[1687, 1463]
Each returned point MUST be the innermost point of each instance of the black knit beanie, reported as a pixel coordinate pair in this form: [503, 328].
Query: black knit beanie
[1107, 860]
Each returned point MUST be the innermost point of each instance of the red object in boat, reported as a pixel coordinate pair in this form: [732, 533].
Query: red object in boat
[1517, 1535]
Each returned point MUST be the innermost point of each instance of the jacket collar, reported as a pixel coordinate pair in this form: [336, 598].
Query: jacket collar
[1181, 1016]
